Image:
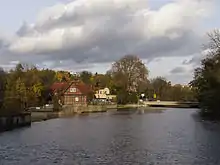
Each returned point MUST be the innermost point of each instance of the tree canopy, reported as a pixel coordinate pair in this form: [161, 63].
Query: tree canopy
[207, 77]
[129, 72]
[27, 86]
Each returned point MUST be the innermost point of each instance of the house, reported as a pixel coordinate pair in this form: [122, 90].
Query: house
[72, 93]
[104, 94]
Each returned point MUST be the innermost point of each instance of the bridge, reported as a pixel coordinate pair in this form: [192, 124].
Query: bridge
[172, 104]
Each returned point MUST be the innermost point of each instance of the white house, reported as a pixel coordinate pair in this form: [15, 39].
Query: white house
[104, 94]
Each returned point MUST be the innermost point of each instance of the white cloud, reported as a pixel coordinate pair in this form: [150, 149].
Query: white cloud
[83, 33]
[182, 14]
[112, 28]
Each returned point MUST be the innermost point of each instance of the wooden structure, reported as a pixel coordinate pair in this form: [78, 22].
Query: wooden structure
[74, 92]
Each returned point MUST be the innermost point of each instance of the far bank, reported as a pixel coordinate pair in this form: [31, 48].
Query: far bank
[68, 111]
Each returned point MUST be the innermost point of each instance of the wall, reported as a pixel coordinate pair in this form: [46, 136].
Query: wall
[74, 99]
[39, 116]
[72, 110]
[14, 121]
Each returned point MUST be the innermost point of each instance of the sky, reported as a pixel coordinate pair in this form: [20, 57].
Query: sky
[90, 35]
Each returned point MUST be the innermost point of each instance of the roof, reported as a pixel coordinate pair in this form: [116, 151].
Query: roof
[59, 86]
[63, 86]
[85, 89]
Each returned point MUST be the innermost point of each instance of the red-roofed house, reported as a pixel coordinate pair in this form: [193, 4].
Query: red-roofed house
[72, 93]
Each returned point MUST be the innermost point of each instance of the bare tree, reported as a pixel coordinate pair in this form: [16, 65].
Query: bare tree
[213, 45]
[129, 72]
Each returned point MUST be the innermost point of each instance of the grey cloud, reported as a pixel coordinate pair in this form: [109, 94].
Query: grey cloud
[25, 30]
[178, 70]
[3, 43]
[112, 48]
[180, 79]
[195, 60]
[104, 33]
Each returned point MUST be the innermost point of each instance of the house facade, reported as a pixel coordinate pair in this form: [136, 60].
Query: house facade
[104, 94]
[73, 93]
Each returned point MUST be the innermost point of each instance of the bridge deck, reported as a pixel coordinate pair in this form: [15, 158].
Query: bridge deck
[171, 104]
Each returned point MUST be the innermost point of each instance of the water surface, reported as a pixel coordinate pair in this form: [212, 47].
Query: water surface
[173, 136]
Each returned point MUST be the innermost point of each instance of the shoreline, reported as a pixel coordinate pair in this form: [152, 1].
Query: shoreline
[44, 116]
[14, 121]
[71, 111]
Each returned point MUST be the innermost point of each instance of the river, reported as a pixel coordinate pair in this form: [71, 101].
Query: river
[172, 136]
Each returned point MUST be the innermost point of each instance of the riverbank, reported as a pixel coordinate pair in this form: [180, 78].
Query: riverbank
[10, 122]
[68, 111]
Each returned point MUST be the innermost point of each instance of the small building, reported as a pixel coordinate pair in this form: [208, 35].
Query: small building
[72, 93]
[104, 94]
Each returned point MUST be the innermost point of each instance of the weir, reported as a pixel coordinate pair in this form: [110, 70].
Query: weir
[172, 104]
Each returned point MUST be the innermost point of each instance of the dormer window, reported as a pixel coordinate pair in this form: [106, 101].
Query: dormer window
[73, 90]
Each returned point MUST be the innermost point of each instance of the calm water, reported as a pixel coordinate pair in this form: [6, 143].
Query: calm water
[174, 136]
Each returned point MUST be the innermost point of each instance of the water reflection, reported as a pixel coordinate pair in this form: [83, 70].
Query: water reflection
[172, 136]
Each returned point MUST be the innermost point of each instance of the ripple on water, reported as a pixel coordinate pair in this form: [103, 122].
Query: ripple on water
[172, 137]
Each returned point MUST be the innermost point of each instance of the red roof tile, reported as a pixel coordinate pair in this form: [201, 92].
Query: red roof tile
[59, 86]
[85, 89]
[62, 86]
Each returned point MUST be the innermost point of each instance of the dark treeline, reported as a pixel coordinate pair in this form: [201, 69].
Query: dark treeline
[27, 86]
[24, 86]
[207, 78]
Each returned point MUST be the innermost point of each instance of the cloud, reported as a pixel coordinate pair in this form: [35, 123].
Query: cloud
[180, 74]
[178, 70]
[91, 34]
[195, 59]
[100, 31]
[4, 41]
[180, 78]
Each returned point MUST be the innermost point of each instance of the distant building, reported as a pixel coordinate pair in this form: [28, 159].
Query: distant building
[104, 94]
[71, 93]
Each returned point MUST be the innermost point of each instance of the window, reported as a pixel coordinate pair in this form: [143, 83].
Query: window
[72, 89]
[76, 99]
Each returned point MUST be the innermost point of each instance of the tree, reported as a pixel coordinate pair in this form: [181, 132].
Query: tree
[101, 80]
[128, 74]
[206, 80]
[14, 96]
[86, 77]
[2, 86]
[63, 76]
[177, 93]
[161, 88]
[167, 92]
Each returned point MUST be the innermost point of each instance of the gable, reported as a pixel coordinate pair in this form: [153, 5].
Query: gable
[73, 89]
